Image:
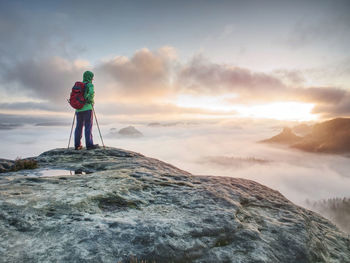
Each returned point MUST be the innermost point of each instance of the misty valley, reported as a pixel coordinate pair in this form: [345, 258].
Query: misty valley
[231, 148]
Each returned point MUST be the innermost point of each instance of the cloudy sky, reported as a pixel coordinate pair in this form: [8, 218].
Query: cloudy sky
[286, 60]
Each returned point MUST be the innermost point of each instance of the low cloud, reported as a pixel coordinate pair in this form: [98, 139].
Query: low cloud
[201, 76]
[320, 94]
[233, 162]
[293, 77]
[145, 74]
[14, 120]
[154, 109]
[342, 108]
[9, 126]
[21, 106]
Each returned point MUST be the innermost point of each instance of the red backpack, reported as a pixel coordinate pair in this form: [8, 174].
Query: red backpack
[77, 99]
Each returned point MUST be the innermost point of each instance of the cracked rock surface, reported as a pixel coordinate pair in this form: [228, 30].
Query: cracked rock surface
[128, 206]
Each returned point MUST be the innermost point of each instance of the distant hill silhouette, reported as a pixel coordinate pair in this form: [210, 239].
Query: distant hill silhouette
[285, 137]
[331, 136]
[130, 131]
[302, 129]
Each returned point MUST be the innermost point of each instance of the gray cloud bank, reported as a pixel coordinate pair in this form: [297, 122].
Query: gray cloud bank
[202, 76]
[44, 79]
[23, 106]
[12, 121]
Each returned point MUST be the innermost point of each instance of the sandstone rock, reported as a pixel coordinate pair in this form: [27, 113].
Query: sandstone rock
[132, 206]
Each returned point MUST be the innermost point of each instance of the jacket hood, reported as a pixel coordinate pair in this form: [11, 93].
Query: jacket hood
[88, 76]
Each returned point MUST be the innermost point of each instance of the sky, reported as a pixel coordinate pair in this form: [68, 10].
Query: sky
[285, 60]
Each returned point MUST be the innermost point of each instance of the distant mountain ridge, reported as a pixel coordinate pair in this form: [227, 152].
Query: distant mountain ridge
[331, 136]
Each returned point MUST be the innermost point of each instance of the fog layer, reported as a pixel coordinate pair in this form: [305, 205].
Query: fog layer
[220, 148]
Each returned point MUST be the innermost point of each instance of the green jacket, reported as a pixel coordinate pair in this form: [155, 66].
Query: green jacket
[89, 91]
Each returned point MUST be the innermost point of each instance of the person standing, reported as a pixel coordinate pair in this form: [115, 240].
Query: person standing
[85, 115]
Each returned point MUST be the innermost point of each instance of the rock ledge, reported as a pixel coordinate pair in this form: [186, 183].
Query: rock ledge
[131, 206]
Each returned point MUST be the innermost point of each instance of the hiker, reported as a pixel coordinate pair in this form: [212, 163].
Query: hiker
[85, 115]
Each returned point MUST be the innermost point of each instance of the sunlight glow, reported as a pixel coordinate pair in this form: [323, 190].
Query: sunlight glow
[214, 103]
[280, 111]
[289, 110]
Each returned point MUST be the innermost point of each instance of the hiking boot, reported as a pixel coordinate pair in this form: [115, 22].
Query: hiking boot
[79, 148]
[95, 146]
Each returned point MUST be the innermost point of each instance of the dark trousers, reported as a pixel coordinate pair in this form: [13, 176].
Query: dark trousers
[84, 118]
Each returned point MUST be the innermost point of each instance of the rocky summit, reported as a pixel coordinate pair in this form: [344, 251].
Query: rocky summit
[120, 206]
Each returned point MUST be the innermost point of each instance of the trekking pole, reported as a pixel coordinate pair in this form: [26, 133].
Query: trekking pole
[71, 131]
[93, 109]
